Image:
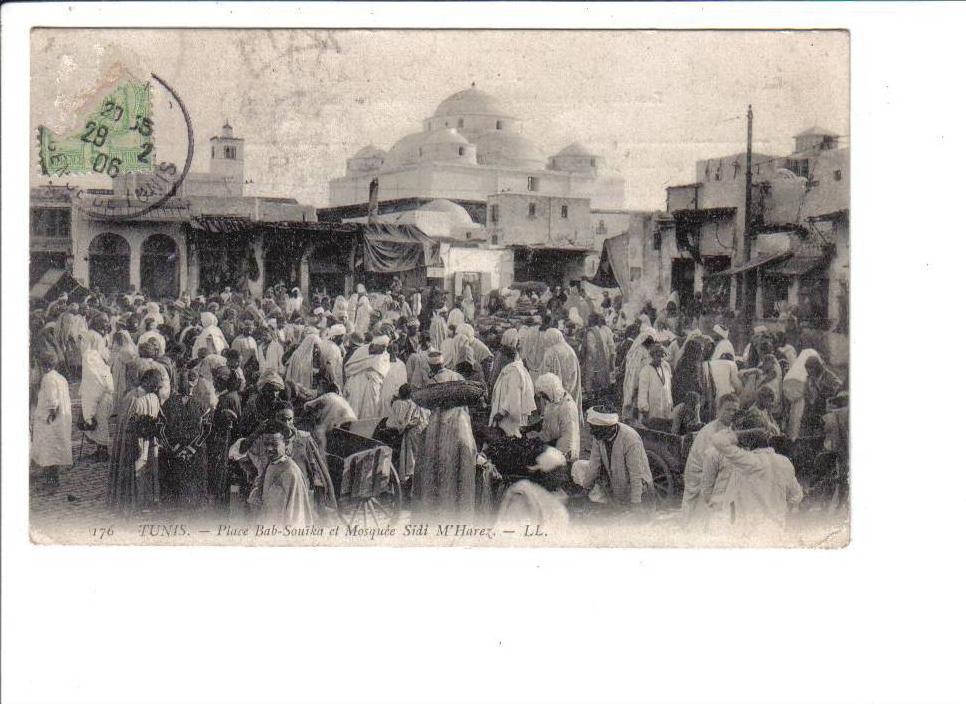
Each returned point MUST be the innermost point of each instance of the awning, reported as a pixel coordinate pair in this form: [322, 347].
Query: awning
[393, 248]
[798, 265]
[385, 248]
[754, 263]
[53, 283]
[613, 269]
[702, 215]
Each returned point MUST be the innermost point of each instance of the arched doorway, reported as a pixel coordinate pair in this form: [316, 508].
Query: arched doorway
[109, 261]
[159, 267]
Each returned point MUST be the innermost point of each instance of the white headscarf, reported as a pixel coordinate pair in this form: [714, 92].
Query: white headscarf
[797, 371]
[550, 386]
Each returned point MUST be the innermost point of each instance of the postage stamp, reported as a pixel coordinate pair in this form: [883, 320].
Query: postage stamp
[117, 137]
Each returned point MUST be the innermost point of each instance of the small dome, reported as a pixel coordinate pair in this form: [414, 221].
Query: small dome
[369, 152]
[458, 213]
[405, 151]
[507, 149]
[471, 101]
[444, 136]
[575, 149]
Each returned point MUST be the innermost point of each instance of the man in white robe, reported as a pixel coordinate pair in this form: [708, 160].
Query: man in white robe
[332, 356]
[722, 343]
[559, 358]
[50, 447]
[301, 367]
[693, 508]
[286, 498]
[365, 372]
[654, 390]
[210, 337]
[97, 401]
[512, 399]
[561, 421]
[756, 488]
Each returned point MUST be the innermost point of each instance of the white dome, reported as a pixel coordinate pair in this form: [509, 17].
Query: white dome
[444, 136]
[369, 152]
[500, 148]
[471, 101]
[405, 151]
[575, 149]
[457, 213]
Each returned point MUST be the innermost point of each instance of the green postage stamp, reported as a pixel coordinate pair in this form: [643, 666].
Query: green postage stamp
[117, 138]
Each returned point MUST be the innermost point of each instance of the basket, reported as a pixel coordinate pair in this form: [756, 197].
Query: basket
[449, 394]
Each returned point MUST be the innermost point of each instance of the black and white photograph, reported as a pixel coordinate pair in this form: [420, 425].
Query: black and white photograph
[338, 289]
[439, 352]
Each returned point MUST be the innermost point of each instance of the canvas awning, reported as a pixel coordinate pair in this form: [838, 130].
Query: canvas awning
[384, 248]
[753, 263]
[393, 248]
[613, 270]
[55, 282]
[798, 265]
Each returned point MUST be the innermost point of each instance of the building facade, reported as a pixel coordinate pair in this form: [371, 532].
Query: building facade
[799, 228]
[470, 148]
[154, 253]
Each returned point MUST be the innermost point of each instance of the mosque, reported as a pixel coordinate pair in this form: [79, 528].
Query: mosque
[470, 148]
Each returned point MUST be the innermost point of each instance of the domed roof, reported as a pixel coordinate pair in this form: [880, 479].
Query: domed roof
[404, 151]
[458, 213]
[471, 101]
[506, 148]
[446, 135]
[368, 152]
[575, 149]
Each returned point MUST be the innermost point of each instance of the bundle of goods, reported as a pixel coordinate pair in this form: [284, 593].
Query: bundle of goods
[449, 394]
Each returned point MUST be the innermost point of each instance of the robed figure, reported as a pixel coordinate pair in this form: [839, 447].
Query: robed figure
[446, 472]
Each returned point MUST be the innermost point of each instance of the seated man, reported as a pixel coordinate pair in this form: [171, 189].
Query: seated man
[618, 460]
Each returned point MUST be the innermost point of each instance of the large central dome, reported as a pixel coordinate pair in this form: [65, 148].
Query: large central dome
[471, 101]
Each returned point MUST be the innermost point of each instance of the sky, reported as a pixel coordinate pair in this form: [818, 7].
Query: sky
[651, 103]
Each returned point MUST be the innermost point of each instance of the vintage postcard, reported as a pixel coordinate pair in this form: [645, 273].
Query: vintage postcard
[405, 288]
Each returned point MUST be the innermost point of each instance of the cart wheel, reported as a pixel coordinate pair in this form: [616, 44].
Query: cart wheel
[664, 484]
[376, 511]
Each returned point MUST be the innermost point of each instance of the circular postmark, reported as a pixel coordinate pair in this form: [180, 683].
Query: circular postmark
[106, 146]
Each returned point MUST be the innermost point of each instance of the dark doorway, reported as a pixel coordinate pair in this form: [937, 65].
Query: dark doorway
[160, 273]
[109, 262]
[682, 280]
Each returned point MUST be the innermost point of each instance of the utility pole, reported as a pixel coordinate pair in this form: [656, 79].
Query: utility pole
[747, 295]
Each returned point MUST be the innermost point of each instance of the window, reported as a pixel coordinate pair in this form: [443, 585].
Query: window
[799, 167]
[601, 228]
[656, 244]
[462, 151]
[499, 124]
[837, 175]
[533, 183]
[563, 212]
[495, 238]
[532, 210]
[494, 214]
[459, 123]
[593, 161]
[229, 152]
[420, 151]
[212, 152]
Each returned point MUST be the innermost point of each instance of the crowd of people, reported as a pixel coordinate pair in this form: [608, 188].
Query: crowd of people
[191, 399]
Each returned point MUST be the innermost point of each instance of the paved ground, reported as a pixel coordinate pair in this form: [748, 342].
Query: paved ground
[81, 494]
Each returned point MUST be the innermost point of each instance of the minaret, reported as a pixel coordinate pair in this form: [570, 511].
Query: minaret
[228, 159]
